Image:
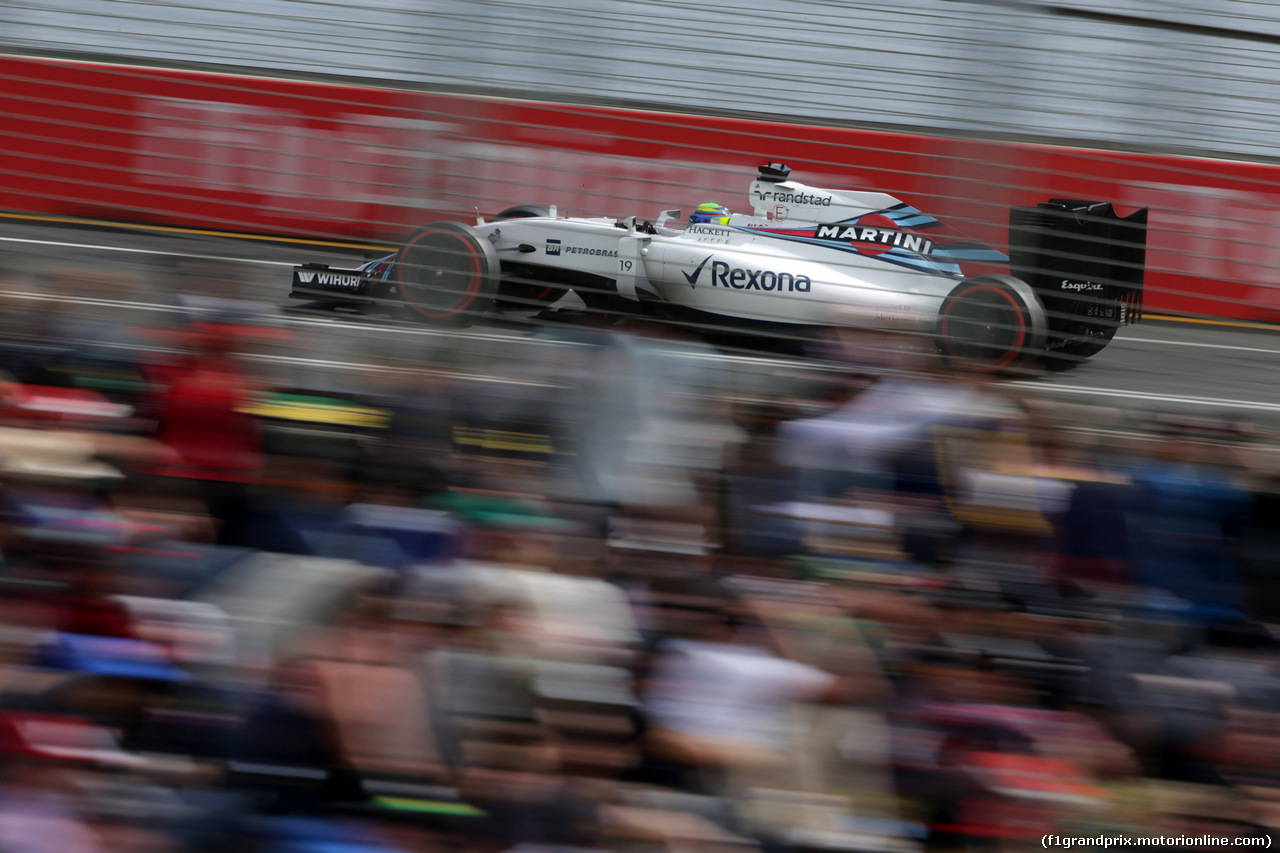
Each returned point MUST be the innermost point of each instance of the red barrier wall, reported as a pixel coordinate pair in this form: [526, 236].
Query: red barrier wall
[280, 156]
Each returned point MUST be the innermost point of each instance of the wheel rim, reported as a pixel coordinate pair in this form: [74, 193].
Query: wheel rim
[984, 326]
[440, 274]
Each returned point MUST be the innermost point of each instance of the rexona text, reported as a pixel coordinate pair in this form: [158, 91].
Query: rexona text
[738, 278]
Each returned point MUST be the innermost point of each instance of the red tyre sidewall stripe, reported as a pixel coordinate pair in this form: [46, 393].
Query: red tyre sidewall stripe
[1016, 349]
[473, 287]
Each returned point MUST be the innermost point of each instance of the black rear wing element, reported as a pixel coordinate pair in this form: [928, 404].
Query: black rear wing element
[1082, 259]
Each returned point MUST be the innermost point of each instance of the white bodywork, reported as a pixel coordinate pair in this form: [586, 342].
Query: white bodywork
[765, 266]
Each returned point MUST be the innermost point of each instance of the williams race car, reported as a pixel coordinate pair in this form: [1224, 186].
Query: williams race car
[803, 259]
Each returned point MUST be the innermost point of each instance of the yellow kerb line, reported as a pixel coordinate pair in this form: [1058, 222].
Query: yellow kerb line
[68, 220]
[1240, 324]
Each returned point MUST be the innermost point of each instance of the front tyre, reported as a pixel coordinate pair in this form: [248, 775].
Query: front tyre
[522, 211]
[447, 274]
[991, 323]
[526, 287]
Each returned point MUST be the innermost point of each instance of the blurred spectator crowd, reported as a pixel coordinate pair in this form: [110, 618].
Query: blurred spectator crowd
[594, 604]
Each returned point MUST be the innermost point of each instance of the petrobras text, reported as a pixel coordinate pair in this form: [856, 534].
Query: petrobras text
[579, 250]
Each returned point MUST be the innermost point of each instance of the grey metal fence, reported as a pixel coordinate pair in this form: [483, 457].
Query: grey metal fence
[1179, 75]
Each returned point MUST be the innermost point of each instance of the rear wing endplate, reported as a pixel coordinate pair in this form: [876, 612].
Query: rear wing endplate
[1080, 250]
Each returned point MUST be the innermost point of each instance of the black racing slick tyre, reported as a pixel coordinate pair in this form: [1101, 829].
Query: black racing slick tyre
[991, 323]
[447, 274]
[522, 211]
[525, 287]
[1073, 342]
[1067, 354]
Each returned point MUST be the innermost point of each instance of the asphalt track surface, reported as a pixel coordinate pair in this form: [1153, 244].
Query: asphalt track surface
[1225, 370]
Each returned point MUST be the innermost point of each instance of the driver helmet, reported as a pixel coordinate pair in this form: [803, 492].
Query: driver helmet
[711, 212]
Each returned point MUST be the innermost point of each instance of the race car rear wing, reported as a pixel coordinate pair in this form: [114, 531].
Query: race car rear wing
[1081, 257]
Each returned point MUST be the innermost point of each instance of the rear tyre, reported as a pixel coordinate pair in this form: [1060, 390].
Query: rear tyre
[1076, 341]
[1088, 342]
[1080, 327]
[447, 274]
[991, 324]
[1072, 353]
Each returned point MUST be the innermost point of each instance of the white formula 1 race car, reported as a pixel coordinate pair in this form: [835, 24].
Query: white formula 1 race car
[802, 259]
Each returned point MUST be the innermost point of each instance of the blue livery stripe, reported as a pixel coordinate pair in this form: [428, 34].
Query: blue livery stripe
[898, 257]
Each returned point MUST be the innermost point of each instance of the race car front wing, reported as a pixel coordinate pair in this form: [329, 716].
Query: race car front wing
[320, 280]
